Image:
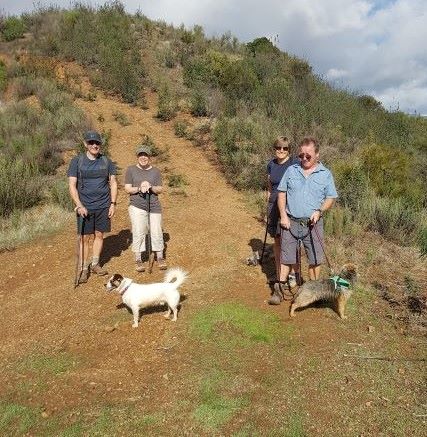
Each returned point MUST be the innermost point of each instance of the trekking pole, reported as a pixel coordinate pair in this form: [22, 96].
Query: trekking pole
[150, 251]
[265, 240]
[79, 251]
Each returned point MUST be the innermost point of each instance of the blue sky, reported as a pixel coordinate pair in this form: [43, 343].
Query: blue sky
[373, 47]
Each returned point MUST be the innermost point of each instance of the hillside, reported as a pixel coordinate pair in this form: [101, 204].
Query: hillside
[70, 362]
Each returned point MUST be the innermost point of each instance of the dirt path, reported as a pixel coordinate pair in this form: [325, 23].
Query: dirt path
[159, 366]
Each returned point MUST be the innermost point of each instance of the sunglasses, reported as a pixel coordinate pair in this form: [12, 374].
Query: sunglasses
[93, 143]
[304, 156]
[285, 148]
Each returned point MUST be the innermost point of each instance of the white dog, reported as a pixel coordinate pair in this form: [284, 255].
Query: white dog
[137, 296]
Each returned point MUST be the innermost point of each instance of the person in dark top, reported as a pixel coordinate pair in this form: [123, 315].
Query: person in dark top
[93, 188]
[275, 170]
[143, 183]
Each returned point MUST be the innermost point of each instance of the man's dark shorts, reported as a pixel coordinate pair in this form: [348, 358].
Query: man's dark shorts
[94, 221]
[309, 238]
[273, 225]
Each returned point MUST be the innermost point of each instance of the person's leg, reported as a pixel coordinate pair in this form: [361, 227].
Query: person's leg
[157, 243]
[139, 222]
[84, 257]
[102, 225]
[314, 250]
[314, 272]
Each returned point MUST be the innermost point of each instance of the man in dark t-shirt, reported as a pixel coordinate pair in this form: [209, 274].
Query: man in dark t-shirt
[93, 188]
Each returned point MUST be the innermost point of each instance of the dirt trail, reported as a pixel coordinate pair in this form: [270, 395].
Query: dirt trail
[209, 233]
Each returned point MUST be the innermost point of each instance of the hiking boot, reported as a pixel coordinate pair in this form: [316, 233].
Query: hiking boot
[84, 276]
[139, 266]
[98, 270]
[161, 263]
[277, 295]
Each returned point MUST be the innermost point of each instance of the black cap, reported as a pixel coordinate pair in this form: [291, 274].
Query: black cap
[92, 135]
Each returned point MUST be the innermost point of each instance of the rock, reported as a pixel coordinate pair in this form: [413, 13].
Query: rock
[371, 329]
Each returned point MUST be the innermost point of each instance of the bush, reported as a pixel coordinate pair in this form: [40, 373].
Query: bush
[198, 103]
[180, 129]
[167, 105]
[12, 28]
[20, 185]
[121, 118]
[61, 195]
[3, 76]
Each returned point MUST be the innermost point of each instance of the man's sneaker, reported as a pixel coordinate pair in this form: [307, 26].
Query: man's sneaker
[139, 266]
[161, 263]
[98, 270]
[84, 276]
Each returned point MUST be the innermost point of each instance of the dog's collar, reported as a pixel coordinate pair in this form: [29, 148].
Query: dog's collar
[123, 290]
[339, 282]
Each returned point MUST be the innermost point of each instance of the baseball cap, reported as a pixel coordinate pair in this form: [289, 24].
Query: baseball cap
[143, 149]
[92, 135]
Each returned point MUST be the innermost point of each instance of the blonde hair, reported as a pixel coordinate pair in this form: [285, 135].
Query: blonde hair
[281, 141]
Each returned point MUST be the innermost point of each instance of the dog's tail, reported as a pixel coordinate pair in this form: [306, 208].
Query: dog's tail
[178, 274]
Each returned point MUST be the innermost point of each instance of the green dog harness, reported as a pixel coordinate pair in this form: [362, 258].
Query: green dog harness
[339, 282]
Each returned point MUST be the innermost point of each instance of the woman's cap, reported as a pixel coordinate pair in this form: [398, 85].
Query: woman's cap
[143, 149]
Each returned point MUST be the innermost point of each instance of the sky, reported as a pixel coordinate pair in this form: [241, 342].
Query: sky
[374, 47]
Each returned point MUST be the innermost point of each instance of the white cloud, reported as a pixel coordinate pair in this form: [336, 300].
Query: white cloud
[371, 46]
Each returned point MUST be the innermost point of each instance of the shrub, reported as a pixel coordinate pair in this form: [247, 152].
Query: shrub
[167, 105]
[121, 118]
[3, 76]
[12, 28]
[180, 129]
[198, 103]
[61, 195]
[20, 185]
[177, 181]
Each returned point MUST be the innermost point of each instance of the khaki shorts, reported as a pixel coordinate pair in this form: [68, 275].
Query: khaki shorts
[299, 231]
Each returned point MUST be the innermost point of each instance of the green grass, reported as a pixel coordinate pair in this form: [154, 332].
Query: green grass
[215, 408]
[236, 323]
[47, 364]
[18, 418]
[121, 118]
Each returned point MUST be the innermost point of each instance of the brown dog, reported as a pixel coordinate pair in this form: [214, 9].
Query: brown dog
[336, 291]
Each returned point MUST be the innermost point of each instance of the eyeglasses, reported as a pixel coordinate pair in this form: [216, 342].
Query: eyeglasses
[93, 143]
[285, 148]
[304, 156]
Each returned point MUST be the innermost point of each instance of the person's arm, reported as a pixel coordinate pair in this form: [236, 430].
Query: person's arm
[269, 187]
[113, 192]
[130, 189]
[281, 204]
[72, 186]
[327, 204]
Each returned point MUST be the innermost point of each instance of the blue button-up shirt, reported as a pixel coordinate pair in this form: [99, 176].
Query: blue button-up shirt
[305, 194]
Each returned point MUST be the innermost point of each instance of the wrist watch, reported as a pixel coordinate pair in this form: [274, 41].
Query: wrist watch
[114, 203]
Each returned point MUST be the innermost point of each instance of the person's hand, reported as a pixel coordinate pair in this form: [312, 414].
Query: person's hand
[82, 211]
[285, 222]
[315, 217]
[111, 210]
[145, 186]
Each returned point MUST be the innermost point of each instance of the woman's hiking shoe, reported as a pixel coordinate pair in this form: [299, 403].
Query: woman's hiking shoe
[161, 263]
[98, 270]
[139, 266]
[84, 276]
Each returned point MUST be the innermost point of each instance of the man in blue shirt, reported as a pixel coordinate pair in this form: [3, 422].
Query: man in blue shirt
[306, 191]
[93, 188]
